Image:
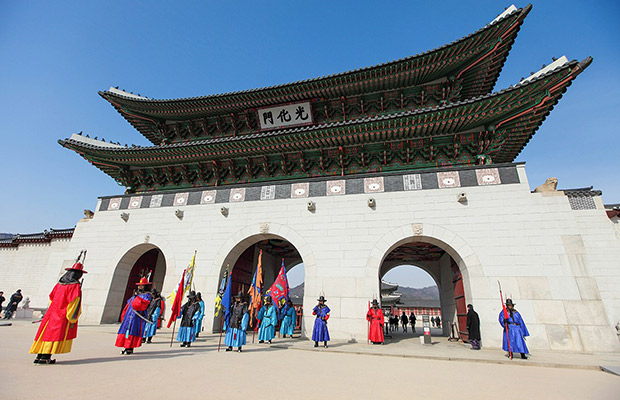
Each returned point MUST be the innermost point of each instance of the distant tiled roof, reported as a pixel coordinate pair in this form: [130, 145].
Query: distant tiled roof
[41, 237]
[581, 192]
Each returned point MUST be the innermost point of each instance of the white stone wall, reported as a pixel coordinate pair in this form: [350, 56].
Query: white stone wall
[34, 268]
[560, 266]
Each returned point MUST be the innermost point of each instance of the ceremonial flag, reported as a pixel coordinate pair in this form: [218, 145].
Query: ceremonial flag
[178, 298]
[226, 301]
[279, 290]
[256, 288]
[220, 292]
[189, 274]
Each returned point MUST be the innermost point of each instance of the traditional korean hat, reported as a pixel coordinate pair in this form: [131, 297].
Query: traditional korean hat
[321, 298]
[375, 302]
[509, 302]
[239, 295]
[143, 281]
[191, 295]
[77, 267]
[268, 299]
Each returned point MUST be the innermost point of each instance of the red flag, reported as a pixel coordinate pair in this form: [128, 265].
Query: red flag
[279, 290]
[178, 299]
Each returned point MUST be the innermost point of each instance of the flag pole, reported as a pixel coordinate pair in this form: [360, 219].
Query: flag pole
[368, 335]
[173, 328]
[221, 329]
[505, 319]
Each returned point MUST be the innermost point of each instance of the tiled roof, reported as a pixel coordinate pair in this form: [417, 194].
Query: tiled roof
[581, 192]
[41, 237]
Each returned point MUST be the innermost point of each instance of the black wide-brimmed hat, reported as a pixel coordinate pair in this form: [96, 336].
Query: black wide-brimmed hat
[321, 298]
[509, 302]
[239, 295]
[375, 302]
[192, 295]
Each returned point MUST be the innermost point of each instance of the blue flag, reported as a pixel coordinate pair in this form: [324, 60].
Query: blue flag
[226, 301]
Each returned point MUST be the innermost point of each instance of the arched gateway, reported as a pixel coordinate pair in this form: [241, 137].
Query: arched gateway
[140, 260]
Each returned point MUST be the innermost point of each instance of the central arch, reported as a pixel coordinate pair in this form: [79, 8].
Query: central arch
[242, 260]
[441, 253]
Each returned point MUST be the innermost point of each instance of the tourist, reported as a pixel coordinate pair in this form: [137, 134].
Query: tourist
[11, 307]
[288, 322]
[515, 329]
[132, 319]
[375, 317]
[189, 315]
[1, 300]
[153, 311]
[268, 323]
[433, 321]
[237, 324]
[473, 327]
[201, 313]
[412, 319]
[320, 332]
[405, 321]
[59, 325]
[438, 321]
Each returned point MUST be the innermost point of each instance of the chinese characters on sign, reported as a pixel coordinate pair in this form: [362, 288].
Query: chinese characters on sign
[285, 115]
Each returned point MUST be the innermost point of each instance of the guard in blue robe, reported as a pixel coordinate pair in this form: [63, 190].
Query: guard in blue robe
[238, 323]
[320, 332]
[287, 327]
[268, 323]
[201, 313]
[153, 312]
[129, 334]
[517, 331]
[188, 315]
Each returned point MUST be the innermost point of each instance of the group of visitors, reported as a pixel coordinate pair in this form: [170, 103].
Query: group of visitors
[11, 306]
[144, 310]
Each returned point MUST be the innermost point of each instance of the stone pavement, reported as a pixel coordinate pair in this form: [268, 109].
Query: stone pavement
[96, 370]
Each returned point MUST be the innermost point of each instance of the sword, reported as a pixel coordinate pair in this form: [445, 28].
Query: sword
[141, 317]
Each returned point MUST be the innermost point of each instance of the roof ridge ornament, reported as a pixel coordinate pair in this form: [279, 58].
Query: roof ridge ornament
[506, 12]
[560, 62]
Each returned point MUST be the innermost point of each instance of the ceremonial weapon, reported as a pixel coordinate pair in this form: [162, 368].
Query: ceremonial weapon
[141, 317]
[501, 296]
[221, 329]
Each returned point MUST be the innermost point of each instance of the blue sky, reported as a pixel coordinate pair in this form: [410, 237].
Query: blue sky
[57, 55]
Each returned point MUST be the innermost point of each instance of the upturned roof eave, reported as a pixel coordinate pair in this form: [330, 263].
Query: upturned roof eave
[128, 101]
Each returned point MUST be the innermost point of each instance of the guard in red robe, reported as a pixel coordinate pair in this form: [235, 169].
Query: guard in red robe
[134, 318]
[375, 316]
[59, 325]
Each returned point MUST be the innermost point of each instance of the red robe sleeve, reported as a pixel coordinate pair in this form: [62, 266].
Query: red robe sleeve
[326, 317]
[139, 304]
[124, 311]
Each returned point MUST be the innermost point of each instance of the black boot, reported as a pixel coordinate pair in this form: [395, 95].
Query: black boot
[523, 356]
[316, 344]
[261, 341]
[229, 348]
[239, 350]
[325, 344]
[149, 339]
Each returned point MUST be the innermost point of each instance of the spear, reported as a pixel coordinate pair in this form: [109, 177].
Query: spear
[501, 296]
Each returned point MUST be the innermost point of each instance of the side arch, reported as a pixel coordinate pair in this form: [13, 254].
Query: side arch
[121, 265]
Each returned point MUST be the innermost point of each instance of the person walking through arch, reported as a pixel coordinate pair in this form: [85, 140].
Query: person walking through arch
[153, 311]
[412, 320]
[405, 321]
[320, 333]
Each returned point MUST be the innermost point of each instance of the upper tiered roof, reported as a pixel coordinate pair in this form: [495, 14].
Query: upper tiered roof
[472, 63]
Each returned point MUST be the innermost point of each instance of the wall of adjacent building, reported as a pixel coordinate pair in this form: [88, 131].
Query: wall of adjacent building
[559, 265]
[34, 268]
